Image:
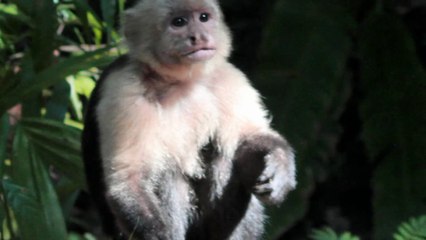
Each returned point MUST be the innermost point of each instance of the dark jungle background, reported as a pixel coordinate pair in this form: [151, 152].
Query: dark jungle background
[345, 81]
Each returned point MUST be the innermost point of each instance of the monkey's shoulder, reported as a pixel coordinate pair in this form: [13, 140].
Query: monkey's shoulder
[228, 72]
[118, 64]
[233, 86]
[120, 83]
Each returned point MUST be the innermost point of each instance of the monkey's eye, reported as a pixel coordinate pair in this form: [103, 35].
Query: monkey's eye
[179, 22]
[204, 17]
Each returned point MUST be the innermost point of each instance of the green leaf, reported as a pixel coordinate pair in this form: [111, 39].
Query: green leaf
[4, 136]
[7, 79]
[68, 192]
[302, 78]
[31, 105]
[13, 23]
[2, 216]
[31, 195]
[52, 212]
[57, 145]
[324, 234]
[394, 117]
[74, 236]
[81, 84]
[109, 8]
[57, 105]
[38, 217]
[43, 40]
[26, 208]
[21, 165]
[54, 74]
[26, 6]
[329, 234]
[96, 28]
[414, 229]
[90, 21]
[84, 84]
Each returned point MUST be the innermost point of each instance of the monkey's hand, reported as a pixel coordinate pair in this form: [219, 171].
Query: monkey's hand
[278, 177]
[266, 167]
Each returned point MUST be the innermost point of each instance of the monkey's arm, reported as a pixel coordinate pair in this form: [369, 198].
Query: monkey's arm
[265, 162]
[259, 146]
[138, 213]
[130, 194]
[128, 175]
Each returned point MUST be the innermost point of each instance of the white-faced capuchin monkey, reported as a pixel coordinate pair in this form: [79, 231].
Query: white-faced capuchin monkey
[177, 144]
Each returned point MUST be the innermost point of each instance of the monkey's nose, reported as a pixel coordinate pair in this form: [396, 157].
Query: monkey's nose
[193, 40]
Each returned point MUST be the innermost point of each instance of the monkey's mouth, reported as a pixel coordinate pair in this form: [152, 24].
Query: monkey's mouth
[200, 54]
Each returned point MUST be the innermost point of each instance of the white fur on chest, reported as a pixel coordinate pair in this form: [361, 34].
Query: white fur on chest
[186, 126]
[140, 133]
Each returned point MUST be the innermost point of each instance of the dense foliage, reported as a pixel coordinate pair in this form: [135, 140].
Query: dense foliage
[345, 81]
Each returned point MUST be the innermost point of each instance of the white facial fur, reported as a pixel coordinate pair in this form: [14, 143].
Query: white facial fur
[154, 38]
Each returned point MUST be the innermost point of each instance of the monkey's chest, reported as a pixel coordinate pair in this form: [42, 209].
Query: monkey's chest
[181, 132]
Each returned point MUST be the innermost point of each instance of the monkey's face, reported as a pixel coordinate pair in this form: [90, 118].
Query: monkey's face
[176, 32]
[188, 37]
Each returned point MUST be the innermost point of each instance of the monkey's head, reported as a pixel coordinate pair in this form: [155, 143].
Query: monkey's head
[172, 33]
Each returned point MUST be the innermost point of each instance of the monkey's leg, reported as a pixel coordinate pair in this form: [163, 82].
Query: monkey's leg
[221, 217]
[138, 212]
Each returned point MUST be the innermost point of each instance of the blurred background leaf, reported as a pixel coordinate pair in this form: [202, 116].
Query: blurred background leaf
[329, 234]
[31, 195]
[415, 228]
[303, 76]
[394, 126]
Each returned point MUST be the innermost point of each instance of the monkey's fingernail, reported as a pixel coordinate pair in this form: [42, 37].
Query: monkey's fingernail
[263, 193]
[264, 189]
[263, 180]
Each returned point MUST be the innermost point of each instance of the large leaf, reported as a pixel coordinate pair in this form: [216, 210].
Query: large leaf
[89, 20]
[57, 105]
[81, 84]
[394, 120]
[54, 74]
[302, 78]
[109, 8]
[414, 229]
[31, 105]
[330, 234]
[56, 144]
[4, 136]
[43, 39]
[21, 160]
[26, 6]
[31, 195]
[42, 20]
[27, 210]
[38, 214]
[12, 22]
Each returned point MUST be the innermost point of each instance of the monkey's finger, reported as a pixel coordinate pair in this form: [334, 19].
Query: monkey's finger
[263, 189]
[270, 168]
[267, 175]
[263, 180]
